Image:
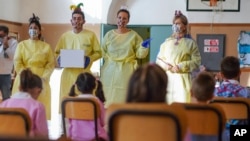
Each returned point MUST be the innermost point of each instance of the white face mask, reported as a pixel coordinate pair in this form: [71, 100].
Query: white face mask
[33, 33]
[176, 28]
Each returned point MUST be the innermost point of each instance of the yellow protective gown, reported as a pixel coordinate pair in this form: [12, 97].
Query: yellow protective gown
[85, 40]
[186, 55]
[120, 52]
[38, 56]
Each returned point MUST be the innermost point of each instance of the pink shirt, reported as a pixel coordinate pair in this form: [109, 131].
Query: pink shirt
[35, 109]
[83, 130]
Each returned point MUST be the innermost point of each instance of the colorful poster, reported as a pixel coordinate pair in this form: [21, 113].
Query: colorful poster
[244, 48]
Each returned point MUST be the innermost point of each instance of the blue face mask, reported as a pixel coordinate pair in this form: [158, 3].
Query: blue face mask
[176, 28]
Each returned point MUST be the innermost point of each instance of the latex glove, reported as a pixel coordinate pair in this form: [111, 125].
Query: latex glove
[86, 61]
[59, 61]
[146, 43]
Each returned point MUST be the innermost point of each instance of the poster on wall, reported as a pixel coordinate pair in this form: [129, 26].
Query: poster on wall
[211, 47]
[244, 48]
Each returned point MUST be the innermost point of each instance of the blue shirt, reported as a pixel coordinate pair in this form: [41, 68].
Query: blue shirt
[231, 88]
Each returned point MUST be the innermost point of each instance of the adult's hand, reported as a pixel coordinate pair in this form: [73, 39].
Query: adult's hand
[146, 43]
[86, 61]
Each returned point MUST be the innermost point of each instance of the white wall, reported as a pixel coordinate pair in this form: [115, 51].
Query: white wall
[147, 11]
[9, 10]
[142, 11]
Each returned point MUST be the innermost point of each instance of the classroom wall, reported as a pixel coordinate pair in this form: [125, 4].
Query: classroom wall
[159, 12]
[230, 30]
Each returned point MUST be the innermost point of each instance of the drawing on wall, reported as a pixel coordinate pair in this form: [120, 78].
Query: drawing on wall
[244, 48]
[213, 5]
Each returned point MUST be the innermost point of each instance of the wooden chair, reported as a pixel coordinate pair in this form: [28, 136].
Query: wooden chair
[11, 138]
[145, 122]
[234, 107]
[14, 122]
[82, 109]
[205, 120]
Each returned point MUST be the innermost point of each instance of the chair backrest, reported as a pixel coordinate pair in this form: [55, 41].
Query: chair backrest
[14, 122]
[80, 108]
[11, 138]
[145, 122]
[234, 107]
[205, 119]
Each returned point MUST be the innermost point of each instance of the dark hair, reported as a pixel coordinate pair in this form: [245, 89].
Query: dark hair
[148, 84]
[85, 83]
[230, 67]
[28, 80]
[184, 20]
[35, 19]
[123, 10]
[79, 12]
[203, 86]
[99, 91]
[4, 28]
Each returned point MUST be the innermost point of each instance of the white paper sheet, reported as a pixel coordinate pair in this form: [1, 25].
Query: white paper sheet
[72, 58]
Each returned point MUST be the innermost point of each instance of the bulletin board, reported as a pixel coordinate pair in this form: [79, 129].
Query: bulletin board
[212, 48]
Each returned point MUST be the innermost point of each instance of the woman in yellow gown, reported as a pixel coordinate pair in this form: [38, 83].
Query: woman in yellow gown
[38, 56]
[179, 56]
[121, 48]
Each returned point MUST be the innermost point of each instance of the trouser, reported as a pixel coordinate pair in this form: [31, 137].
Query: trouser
[5, 85]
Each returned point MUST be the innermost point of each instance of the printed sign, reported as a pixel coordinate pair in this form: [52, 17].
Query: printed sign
[211, 47]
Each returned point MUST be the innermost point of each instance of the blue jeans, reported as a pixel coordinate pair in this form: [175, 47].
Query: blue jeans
[5, 85]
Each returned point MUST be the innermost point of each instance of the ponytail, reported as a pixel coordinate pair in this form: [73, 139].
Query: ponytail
[28, 80]
[72, 91]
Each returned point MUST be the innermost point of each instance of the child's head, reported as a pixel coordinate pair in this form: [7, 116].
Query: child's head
[230, 67]
[99, 91]
[30, 83]
[148, 84]
[85, 83]
[203, 87]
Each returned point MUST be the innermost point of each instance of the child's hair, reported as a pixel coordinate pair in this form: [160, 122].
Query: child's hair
[99, 91]
[230, 67]
[28, 80]
[203, 87]
[148, 84]
[85, 83]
